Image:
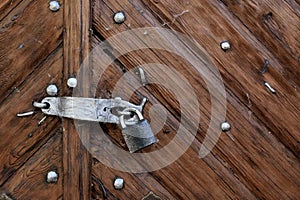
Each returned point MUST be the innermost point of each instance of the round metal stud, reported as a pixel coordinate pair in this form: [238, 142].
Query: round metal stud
[54, 6]
[225, 45]
[52, 90]
[52, 177]
[225, 126]
[118, 183]
[119, 17]
[72, 82]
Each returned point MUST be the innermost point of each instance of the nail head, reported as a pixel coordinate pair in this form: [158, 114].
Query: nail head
[118, 183]
[72, 82]
[52, 177]
[119, 17]
[225, 45]
[225, 126]
[52, 90]
[54, 6]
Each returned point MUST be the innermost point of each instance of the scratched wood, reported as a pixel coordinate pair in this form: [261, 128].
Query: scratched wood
[29, 182]
[23, 135]
[268, 22]
[257, 159]
[25, 53]
[31, 59]
[7, 6]
[251, 65]
[76, 47]
[262, 148]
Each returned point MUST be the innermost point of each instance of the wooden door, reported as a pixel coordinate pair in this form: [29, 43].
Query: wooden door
[257, 159]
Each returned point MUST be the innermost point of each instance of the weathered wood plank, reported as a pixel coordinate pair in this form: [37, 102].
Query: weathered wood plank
[269, 22]
[22, 137]
[223, 169]
[30, 180]
[26, 42]
[239, 65]
[243, 162]
[136, 186]
[6, 6]
[163, 177]
[77, 162]
[258, 158]
[295, 6]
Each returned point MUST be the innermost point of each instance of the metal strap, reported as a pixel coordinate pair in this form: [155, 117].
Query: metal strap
[88, 109]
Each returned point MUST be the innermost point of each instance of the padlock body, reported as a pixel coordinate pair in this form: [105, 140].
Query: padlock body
[138, 136]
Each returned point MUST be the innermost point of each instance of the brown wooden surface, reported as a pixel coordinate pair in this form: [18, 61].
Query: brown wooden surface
[76, 158]
[31, 57]
[257, 159]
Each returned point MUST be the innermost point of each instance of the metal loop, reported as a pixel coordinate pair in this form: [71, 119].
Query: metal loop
[137, 112]
[126, 113]
[40, 105]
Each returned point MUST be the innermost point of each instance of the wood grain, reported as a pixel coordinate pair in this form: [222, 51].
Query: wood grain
[257, 159]
[253, 159]
[249, 63]
[30, 180]
[26, 42]
[268, 21]
[76, 47]
[23, 136]
[7, 6]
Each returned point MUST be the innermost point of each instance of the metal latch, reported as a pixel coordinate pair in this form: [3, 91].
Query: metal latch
[89, 109]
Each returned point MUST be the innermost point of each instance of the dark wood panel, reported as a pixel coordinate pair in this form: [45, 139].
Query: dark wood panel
[136, 186]
[77, 162]
[26, 41]
[6, 6]
[188, 185]
[241, 70]
[229, 162]
[22, 137]
[250, 161]
[257, 159]
[30, 180]
[269, 22]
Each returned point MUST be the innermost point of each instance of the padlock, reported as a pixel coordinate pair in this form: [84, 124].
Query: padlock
[139, 135]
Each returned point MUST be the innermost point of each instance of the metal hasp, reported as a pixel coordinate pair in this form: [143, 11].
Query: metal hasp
[89, 109]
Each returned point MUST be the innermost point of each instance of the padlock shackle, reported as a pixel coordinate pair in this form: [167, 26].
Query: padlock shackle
[134, 110]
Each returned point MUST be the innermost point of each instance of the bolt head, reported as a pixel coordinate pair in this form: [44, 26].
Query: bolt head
[119, 17]
[72, 82]
[118, 98]
[118, 183]
[225, 126]
[225, 45]
[54, 6]
[52, 177]
[52, 90]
